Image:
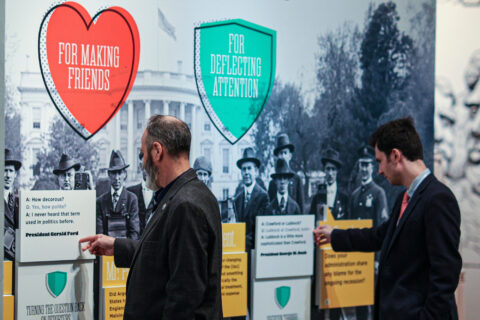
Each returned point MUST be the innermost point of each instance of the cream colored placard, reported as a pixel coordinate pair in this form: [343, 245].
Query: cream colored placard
[51, 223]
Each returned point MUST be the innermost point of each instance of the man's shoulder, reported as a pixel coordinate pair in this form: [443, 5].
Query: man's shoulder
[274, 202]
[292, 202]
[130, 195]
[135, 188]
[259, 191]
[435, 188]
[104, 197]
[376, 188]
[356, 191]
[193, 192]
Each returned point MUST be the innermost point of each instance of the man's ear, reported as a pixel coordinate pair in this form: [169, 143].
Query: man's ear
[157, 151]
[396, 155]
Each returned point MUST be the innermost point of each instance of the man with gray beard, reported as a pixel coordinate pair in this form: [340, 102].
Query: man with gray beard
[175, 267]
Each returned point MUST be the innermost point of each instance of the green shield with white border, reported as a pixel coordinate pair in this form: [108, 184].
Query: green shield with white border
[56, 282]
[282, 296]
[234, 71]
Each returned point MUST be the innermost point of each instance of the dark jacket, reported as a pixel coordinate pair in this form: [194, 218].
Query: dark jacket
[175, 268]
[420, 262]
[369, 202]
[10, 225]
[295, 190]
[339, 209]
[143, 212]
[256, 206]
[291, 207]
[119, 222]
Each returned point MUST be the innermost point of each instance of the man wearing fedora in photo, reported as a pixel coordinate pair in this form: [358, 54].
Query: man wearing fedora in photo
[251, 200]
[284, 150]
[203, 169]
[12, 165]
[334, 198]
[144, 196]
[368, 201]
[282, 203]
[65, 172]
[337, 201]
[117, 210]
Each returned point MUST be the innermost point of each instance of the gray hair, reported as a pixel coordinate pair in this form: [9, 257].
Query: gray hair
[171, 132]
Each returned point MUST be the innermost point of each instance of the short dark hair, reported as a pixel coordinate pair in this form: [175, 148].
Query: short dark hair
[171, 132]
[398, 134]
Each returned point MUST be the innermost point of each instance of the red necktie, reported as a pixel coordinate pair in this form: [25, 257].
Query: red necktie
[405, 199]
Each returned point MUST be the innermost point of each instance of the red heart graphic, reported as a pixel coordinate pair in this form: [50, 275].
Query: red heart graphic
[88, 65]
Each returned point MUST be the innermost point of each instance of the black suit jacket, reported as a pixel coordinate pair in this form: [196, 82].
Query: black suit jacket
[291, 208]
[420, 263]
[127, 205]
[10, 225]
[256, 206]
[295, 190]
[143, 212]
[175, 267]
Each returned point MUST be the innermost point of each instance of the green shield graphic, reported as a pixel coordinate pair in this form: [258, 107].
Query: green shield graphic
[56, 282]
[282, 296]
[234, 71]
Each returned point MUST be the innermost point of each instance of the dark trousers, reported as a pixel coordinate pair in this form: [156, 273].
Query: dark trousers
[321, 314]
[362, 312]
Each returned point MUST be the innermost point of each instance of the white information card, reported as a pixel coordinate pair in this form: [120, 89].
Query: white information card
[52, 222]
[284, 246]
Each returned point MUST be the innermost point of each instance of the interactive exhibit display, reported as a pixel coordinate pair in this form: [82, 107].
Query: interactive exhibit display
[280, 98]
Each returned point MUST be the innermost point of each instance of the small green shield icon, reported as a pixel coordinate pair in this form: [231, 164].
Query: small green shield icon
[234, 71]
[282, 296]
[56, 282]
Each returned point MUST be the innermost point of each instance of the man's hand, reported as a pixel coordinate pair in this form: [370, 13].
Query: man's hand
[99, 244]
[322, 234]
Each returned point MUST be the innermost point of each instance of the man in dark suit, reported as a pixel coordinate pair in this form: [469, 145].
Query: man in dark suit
[12, 165]
[330, 195]
[368, 201]
[175, 268]
[284, 150]
[251, 200]
[282, 203]
[420, 263]
[144, 196]
[65, 172]
[117, 209]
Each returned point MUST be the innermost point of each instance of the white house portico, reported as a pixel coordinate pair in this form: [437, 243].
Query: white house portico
[154, 92]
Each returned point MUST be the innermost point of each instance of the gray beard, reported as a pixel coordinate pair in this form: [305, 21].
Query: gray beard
[151, 173]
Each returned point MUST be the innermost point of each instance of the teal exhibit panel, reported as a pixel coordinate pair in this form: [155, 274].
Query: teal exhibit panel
[280, 98]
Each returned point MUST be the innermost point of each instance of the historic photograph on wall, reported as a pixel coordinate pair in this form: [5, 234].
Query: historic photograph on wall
[342, 69]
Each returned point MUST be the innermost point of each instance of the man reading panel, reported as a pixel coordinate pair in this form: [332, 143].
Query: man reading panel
[420, 263]
[175, 267]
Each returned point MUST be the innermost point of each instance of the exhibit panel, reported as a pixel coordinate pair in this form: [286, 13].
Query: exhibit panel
[280, 98]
